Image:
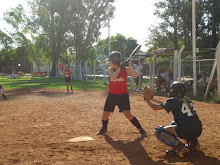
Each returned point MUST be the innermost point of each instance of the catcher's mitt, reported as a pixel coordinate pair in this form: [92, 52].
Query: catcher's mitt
[148, 93]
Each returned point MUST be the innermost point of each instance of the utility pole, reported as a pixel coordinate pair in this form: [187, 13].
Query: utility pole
[194, 45]
[108, 30]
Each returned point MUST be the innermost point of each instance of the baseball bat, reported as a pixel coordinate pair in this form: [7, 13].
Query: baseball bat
[134, 51]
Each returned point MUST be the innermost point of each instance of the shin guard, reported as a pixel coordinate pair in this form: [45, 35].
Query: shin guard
[166, 137]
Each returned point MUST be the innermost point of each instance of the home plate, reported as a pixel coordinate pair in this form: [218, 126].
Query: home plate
[81, 139]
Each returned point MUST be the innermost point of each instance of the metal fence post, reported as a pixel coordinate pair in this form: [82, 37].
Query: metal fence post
[104, 71]
[75, 69]
[87, 69]
[80, 70]
[95, 69]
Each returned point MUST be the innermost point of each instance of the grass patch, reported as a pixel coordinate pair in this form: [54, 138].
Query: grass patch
[209, 99]
[58, 83]
[51, 83]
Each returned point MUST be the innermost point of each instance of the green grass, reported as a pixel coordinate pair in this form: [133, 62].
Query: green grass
[210, 99]
[56, 83]
[51, 83]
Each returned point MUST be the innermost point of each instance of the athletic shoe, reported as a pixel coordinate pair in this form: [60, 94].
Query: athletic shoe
[176, 151]
[4, 96]
[143, 133]
[102, 131]
[193, 147]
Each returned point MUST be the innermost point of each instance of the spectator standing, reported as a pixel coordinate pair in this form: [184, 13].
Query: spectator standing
[139, 69]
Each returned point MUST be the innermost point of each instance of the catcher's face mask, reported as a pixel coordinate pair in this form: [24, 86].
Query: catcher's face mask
[178, 89]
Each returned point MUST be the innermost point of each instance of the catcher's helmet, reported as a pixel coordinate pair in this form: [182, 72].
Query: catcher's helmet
[177, 89]
[115, 56]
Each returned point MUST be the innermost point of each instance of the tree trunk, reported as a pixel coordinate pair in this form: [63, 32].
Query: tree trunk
[39, 70]
[53, 41]
[214, 41]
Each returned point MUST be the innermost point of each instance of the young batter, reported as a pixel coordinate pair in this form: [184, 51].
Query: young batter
[186, 123]
[68, 74]
[118, 92]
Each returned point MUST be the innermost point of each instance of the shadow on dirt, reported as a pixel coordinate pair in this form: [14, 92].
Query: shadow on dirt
[14, 93]
[134, 151]
[196, 158]
[137, 155]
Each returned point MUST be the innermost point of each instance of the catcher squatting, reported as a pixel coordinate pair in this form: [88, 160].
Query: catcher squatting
[186, 124]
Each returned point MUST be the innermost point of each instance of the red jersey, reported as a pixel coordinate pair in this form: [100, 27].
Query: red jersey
[118, 85]
[67, 73]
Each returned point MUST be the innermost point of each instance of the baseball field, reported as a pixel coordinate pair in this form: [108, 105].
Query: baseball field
[37, 124]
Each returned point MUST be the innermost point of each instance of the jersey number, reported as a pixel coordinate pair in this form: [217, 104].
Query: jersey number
[186, 110]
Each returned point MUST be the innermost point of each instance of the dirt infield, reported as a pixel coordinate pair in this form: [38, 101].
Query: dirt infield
[35, 128]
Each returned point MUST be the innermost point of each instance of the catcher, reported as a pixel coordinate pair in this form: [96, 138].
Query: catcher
[186, 124]
[2, 92]
[118, 92]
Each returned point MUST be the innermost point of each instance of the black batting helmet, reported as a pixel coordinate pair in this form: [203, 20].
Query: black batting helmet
[177, 89]
[115, 56]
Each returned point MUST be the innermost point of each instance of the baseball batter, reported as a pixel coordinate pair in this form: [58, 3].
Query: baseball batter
[2, 92]
[118, 92]
[186, 124]
[67, 76]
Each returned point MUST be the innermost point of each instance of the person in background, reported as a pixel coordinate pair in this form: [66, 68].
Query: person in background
[169, 80]
[161, 79]
[67, 76]
[139, 69]
[214, 86]
[202, 84]
[2, 92]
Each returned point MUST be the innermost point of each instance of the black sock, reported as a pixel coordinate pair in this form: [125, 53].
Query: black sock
[71, 88]
[136, 123]
[67, 88]
[193, 140]
[104, 123]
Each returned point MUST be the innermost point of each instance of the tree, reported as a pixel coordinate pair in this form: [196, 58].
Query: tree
[51, 18]
[7, 52]
[118, 43]
[176, 23]
[61, 20]
[88, 16]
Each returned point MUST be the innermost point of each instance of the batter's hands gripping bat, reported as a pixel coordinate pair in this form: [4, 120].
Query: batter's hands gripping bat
[125, 63]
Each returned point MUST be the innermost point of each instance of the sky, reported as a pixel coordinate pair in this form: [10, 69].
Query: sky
[132, 18]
